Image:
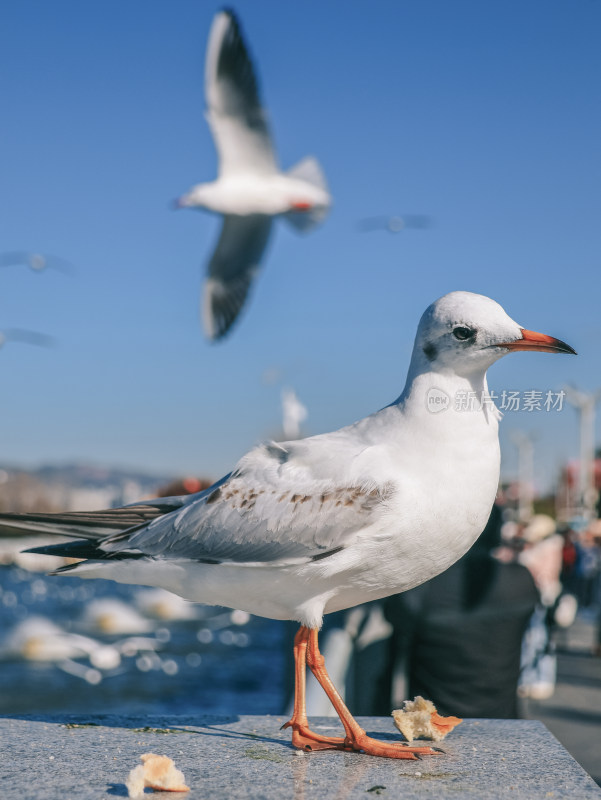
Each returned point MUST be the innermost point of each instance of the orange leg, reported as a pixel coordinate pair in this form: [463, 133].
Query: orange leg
[356, 738]
[302, 736]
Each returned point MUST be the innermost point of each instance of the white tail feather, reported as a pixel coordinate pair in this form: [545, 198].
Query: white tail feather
[309, 170]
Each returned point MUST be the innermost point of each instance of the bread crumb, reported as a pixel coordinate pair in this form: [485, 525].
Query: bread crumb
[135, 782]
[156, 772]
[418, 719]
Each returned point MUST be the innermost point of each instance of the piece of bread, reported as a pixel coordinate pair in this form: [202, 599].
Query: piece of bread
[418, 719]
[156, 772]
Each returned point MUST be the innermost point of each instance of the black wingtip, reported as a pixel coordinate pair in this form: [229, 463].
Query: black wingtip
[66, 568]
[38, 550]
[229, 12]
[77, 549]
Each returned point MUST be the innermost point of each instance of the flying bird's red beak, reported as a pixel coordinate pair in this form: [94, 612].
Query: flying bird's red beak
[531, 340]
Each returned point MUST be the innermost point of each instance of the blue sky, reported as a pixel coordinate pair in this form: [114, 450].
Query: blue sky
[485, 116]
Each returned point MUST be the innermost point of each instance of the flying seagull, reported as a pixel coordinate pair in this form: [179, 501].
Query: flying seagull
[250, 189]
[25, 336]
[394, 224]
[35, 261]
[294, 413]
[303, 528]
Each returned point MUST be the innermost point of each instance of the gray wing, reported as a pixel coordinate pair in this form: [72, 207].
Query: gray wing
[235, 114]
[272, 509]
[232, 269]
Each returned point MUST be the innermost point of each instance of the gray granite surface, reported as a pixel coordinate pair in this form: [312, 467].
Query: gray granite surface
[249, 757]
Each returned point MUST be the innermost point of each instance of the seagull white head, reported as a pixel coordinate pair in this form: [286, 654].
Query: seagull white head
[465, 333]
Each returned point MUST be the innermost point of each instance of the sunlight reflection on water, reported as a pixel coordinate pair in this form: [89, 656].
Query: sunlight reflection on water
[78, 646]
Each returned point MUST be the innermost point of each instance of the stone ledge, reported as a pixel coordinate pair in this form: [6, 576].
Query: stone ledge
[248, 757]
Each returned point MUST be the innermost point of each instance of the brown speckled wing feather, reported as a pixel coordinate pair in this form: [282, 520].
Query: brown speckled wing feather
[259, 517]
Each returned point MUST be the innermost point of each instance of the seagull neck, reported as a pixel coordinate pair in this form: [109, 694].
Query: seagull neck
[422, 389]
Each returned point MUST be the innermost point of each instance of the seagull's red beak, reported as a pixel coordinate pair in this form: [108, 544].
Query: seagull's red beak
[531, 340]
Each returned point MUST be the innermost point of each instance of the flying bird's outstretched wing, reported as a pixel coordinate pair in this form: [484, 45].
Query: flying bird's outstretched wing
[235, 114]
[231, 270]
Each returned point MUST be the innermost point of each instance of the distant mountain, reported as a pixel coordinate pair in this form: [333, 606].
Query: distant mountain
[94, 476]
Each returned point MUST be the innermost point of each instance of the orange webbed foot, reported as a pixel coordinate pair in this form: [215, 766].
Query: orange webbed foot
[376, 747]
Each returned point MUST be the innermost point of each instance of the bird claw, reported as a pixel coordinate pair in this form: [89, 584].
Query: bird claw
[303, 738]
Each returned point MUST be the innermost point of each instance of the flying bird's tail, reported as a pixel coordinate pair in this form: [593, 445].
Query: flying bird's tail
[309, 170]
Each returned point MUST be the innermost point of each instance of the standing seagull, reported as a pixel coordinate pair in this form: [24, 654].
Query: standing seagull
[250, 189]
[300, 529]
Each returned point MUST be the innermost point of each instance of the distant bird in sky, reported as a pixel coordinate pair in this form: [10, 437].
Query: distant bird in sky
[294, 413]
[35, 261]
[304, 528]
[394, 224]
[25, 336]
[250, 189]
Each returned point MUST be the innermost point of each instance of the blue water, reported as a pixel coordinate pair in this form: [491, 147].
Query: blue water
[209, 665]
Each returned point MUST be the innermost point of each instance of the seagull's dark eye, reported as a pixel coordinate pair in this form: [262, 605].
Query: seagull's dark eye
[462, 333]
